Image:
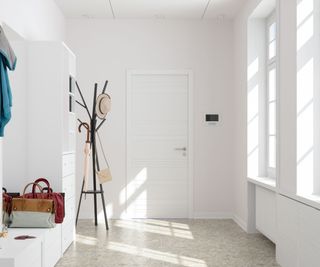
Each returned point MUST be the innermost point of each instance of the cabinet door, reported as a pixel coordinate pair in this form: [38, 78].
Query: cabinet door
[309, 236]
[51, 247]
[30, 256]
[287, 234]
[68, 164]
[68, 226]
[266, 212]
[68, 186]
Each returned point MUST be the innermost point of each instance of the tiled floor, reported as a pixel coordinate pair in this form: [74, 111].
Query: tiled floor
[166, 243]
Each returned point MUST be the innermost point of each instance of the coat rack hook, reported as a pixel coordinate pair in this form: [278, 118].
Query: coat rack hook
[105, 86]
[87, 127]
[83, 104]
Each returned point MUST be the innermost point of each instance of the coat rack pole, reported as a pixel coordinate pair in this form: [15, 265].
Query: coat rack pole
[93, 142]
[78, 210]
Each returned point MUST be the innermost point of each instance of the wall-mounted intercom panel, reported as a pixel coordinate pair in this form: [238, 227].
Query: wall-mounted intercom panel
[212, 119]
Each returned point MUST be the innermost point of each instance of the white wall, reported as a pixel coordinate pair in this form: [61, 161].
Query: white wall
[240, 94]
[243, 190]
[105, 49]
[287, 105]
[15, 145]
[32, 20]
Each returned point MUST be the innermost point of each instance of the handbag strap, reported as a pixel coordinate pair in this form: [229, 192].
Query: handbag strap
[49, 190]
[6, 198]
[34, 185]
[41, 180]
[102, 150]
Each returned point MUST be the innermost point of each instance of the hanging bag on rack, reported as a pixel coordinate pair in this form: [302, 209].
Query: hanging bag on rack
[32, 212]
[57, 198]
[104, 175]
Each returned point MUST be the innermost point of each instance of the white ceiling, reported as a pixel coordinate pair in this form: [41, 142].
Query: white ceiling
[149, 9]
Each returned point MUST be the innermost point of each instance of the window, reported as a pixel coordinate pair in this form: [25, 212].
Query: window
[271, 97]
[308, 98]
[262, 94]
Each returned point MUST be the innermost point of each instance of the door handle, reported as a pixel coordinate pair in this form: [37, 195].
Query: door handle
[180, 149]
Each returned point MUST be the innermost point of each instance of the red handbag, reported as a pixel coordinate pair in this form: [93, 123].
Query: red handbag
[57, 198]
[6, 207]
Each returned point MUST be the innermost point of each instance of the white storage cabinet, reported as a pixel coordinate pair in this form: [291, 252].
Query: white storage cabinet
[52, 122]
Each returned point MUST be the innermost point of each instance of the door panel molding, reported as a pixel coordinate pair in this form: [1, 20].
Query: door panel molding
[190, 123]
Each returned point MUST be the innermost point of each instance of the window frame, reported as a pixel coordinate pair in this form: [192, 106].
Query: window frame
[271, 63]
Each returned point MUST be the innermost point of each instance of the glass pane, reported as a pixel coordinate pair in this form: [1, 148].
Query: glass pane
[272, 118]
[304, 9]
[272, 49]
[272, 151]
[272, 85]
[306, 32]
[272, 32]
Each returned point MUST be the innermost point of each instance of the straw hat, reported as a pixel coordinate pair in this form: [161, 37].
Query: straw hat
[103, 105]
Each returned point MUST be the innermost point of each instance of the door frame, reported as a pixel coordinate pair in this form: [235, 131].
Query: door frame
[189, 74]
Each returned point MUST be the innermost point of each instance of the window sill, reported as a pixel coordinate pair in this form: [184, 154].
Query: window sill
[266, 182]
[309, 200]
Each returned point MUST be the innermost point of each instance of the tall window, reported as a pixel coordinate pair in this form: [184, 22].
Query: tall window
[308, 97]
[271, 98]
[262, 92]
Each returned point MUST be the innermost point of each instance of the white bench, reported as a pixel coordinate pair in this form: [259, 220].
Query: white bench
[43, 251]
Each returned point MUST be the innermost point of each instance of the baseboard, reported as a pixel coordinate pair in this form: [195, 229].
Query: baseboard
[240, 222]
[212, 215]
[196, 215]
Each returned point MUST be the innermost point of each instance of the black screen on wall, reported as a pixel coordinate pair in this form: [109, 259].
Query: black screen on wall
[212, 117]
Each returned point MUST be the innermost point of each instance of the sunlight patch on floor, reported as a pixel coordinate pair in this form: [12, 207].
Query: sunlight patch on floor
[163, 223]
[157, 255]
[162, 230]
[86, 240]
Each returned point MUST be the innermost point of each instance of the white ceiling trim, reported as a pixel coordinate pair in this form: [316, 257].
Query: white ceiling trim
[85, 8]
[224, 9]
[150, 9]
[163, 9]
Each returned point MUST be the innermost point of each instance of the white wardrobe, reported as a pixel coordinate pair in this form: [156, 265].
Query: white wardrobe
[51, 123]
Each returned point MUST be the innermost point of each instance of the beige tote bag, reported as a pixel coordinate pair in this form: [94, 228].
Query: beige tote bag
[104, 175]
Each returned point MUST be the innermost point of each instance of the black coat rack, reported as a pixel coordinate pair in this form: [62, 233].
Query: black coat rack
[94, 155]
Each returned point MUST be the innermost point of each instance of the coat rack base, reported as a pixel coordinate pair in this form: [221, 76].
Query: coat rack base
[95, 193]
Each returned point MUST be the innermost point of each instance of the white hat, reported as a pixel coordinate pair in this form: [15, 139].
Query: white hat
[103, 105]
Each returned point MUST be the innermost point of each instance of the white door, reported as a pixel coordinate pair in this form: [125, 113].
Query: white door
[158, 147]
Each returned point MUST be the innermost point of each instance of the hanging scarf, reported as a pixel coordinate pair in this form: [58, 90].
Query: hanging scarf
[8, 60]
